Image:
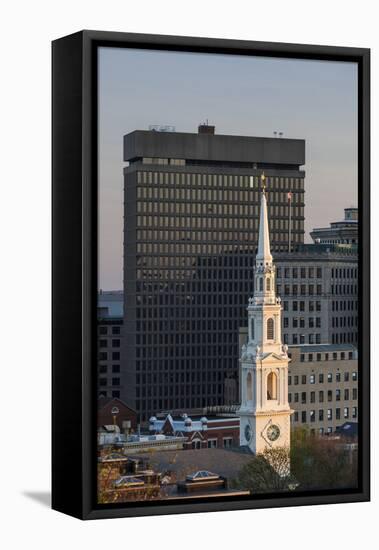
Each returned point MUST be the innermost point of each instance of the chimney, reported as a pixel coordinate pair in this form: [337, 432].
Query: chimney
[206, 129]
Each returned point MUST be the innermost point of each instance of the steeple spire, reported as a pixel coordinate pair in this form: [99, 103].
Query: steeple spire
[263, 254]
[264, 288]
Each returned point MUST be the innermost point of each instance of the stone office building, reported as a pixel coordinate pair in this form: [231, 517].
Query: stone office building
[318, 286]
[323, 386]
[344, 232]
[190, 235]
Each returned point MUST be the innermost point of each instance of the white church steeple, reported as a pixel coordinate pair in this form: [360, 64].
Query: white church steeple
[264, 283]
[263, 254]
[264, 411]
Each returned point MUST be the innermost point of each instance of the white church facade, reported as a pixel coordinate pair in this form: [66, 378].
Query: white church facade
[264, 411]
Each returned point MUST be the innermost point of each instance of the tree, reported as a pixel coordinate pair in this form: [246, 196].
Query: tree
[321, 462]
[266, 472]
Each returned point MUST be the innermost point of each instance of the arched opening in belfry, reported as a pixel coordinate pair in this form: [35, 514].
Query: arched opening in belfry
[261, 284]
[268, 285]
[270, 329]
[252, 329]
[249, 387]
[272, 386]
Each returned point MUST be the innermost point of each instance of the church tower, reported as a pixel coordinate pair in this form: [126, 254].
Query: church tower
[264, 411]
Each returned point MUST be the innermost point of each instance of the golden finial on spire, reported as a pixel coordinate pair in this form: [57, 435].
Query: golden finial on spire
[263, 181]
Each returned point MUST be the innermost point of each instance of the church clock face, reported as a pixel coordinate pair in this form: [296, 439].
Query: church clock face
[248, 433]
[273, 432]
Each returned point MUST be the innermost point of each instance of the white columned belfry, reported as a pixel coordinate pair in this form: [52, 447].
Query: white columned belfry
[264, 411]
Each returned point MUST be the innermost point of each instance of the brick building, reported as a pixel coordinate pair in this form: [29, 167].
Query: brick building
[201, 432]
[114, 411]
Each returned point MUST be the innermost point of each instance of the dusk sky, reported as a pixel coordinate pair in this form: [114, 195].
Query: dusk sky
[253, 96]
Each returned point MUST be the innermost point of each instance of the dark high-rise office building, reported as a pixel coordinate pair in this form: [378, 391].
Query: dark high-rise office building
[190, 234]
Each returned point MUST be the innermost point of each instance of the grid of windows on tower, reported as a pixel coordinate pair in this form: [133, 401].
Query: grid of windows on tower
[189, 250]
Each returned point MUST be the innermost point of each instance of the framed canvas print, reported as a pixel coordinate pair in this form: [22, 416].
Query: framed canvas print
[210, 274]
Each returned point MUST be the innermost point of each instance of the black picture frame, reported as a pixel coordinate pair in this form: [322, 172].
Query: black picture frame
[74, 206]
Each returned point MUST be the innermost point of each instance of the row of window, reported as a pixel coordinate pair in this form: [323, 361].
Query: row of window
[300, 322]
[115, 343]
[344, 305]
[329, 377]
[197, 331]
[302, 397]
[340, 241]
[343, 289]
[179, 209]
[169, 364]
[344, 273]
[310, 357]
[202, 353]
[312, 416]
[345, 338]
[220, 194]
[221, 314]
[341, 322]
[113, 393]
[103, 369]
[157, 160]
[315, 272]
[303, 290]
[154, 378]
[227, 442]
[274, 183]
[180, 390]
[299, 272]
[300, 305]
[104, 381]
[210, 223]
[103, 330]
[297, 339]
[202, 248]
[114, 355]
